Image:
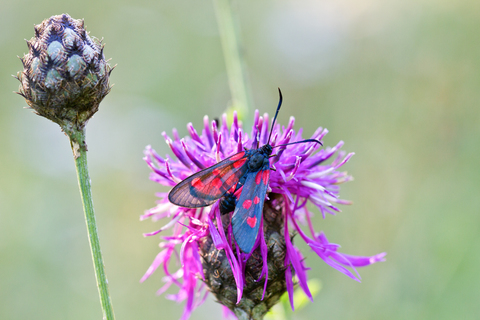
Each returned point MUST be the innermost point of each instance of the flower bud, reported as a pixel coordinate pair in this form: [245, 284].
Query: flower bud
[65, 74]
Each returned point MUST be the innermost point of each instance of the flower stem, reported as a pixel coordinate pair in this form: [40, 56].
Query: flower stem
[237, 77]
[79, 148]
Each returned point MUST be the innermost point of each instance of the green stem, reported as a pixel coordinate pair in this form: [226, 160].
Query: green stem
[79, 148]
[231, 44]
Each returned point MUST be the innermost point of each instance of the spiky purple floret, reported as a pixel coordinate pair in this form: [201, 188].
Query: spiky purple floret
[303, 172]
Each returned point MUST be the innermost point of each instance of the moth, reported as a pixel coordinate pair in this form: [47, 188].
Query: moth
[240, 181]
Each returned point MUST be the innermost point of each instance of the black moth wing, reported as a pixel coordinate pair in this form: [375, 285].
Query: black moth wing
[208, 185]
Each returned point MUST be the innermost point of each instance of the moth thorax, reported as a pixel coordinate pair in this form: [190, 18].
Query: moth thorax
[256, 161]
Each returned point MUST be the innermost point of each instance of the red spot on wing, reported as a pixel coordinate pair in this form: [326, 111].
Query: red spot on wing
[266, 175]
[256, 200]
[238, 192]
[197, 183]
[237, 156]
[252, 221]
[233, 179]
[232, 189]
[217, 183]
[239, 163]
[258, 177]
[247, 204]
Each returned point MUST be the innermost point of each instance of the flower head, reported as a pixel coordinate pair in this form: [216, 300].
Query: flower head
[210, 259]
[65, 75]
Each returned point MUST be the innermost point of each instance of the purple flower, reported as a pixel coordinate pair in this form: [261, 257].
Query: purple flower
[202, 239]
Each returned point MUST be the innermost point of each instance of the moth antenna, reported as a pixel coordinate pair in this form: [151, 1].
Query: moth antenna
[276, 113]
[303, 141]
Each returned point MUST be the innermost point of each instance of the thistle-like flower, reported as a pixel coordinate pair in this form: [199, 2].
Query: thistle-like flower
[65, 74]
[248, 284]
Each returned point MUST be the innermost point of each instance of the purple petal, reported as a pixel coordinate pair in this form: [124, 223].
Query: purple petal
[294, 257]
[159, 259]
[234, 129]
[217, 239]
[234, 264]
[264, 253]
[194, 134]
[239, 141]
[331, 263]
[178, 152]
[289, 281]
[215, 132]
[207, 132]
[264, 133]
[228, 314]
[194, 159]
[362, 261]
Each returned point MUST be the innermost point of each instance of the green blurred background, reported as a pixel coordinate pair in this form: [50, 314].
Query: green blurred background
[398, 81]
